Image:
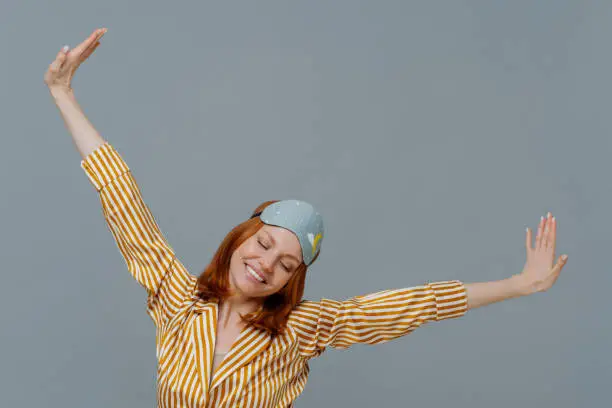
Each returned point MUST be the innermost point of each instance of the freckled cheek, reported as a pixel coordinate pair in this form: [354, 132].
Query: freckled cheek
[274, 283]
[281, 282]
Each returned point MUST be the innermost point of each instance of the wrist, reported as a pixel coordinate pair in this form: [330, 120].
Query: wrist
[58, 91]
[520, 285]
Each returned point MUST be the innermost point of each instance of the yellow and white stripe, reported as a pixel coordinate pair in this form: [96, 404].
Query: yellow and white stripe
[258, 371]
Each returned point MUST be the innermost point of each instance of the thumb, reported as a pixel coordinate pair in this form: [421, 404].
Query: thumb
[561, 261]
[554, 273]
[60, 58]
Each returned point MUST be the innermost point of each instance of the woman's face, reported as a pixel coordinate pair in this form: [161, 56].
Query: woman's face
[265, 262]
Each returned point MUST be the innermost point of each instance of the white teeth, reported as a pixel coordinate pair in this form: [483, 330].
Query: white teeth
[254, 274]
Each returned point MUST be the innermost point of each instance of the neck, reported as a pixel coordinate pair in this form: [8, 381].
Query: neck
[233, 306]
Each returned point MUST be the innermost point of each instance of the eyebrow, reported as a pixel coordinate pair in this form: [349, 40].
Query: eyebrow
[274, 242]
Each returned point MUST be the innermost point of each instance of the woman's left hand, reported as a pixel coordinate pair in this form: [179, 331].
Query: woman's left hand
[540, 272]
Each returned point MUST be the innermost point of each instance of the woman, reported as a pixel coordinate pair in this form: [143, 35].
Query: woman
[240, 333]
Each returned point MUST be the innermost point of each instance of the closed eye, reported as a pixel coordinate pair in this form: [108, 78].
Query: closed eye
[287, 268]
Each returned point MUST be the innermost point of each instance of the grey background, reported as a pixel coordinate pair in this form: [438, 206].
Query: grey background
[428, 134]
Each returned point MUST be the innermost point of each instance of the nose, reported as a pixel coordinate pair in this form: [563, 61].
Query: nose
[267, 263]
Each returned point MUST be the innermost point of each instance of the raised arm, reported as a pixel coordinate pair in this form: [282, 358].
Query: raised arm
[375, 318]
[149, 258]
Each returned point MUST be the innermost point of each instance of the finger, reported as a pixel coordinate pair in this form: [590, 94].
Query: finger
[546, 231]
[95, 43]
[97, 34]
[82, 46]
[539, 234]
[561, 261]
[89, 51]
[552, 241]
[528, 240]
[555, 272]
[60, 58]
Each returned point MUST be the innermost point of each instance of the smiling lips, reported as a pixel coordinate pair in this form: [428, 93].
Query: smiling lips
[255, 274]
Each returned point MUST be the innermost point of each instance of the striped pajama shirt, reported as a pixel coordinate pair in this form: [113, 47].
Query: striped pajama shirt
[258, 371]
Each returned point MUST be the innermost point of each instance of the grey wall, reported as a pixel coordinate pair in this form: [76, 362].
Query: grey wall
[429, 134]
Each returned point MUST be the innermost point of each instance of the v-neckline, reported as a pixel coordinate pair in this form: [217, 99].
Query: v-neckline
[250, 343]
[216, 327]
[228, 353]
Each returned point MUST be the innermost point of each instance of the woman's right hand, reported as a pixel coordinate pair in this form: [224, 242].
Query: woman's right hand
[60, 72]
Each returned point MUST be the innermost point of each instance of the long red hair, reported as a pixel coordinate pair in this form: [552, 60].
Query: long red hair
[213, 282]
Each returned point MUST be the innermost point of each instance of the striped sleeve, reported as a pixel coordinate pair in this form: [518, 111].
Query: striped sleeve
[149, 258]
[375, 318]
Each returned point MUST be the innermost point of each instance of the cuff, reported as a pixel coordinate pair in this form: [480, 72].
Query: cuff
[103, 166]
[451, 299]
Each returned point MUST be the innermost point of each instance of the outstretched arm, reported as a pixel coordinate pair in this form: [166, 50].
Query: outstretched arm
[374, 318]
[386, 315]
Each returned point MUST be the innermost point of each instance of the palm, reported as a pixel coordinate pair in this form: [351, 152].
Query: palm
[62, 69]
[540, 270]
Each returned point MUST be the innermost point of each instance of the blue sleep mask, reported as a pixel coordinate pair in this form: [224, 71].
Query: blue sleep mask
[300, 218]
